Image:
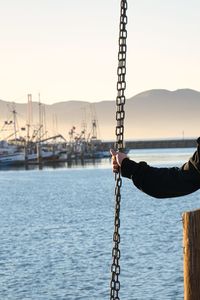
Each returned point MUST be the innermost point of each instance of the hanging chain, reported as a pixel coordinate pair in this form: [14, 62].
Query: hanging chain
[120, 115]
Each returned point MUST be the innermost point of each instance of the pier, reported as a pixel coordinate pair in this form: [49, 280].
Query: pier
[149, 144]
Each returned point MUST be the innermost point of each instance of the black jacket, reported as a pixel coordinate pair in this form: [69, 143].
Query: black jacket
[165, 182]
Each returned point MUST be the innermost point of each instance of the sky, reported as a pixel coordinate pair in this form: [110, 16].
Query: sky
[67, 50]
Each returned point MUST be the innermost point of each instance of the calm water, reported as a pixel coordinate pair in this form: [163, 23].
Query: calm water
[56, 230]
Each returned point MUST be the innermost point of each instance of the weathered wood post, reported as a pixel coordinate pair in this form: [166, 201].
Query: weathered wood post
[191, 254]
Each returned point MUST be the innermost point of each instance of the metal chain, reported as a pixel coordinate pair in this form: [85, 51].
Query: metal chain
[120, 115]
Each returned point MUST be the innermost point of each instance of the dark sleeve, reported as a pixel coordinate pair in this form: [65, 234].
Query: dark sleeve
[165, 182]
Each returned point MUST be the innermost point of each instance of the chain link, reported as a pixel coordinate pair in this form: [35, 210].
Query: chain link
[120, 115]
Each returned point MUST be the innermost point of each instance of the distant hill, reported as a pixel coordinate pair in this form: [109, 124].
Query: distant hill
[163, 113]
[152, 114]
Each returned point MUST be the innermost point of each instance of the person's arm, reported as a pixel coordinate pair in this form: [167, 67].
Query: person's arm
[162, 182]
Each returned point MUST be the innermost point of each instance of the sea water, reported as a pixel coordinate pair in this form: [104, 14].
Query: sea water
[56, 227]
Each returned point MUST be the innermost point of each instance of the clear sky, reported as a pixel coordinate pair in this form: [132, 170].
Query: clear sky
[67, 49]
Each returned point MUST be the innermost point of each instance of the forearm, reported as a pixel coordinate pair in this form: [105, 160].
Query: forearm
[162, 182]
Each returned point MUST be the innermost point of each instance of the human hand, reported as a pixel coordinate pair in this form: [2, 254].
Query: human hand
[117, 158]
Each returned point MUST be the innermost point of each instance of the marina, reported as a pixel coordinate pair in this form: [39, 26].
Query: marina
[32, 144]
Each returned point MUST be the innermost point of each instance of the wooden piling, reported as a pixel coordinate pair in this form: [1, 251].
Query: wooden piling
[191, 254]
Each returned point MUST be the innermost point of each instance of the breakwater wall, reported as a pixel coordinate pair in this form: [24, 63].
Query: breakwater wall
[148, 144]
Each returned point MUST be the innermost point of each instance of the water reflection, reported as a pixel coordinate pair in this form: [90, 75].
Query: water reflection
[79, 163]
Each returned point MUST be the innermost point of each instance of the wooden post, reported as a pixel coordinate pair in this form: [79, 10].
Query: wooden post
[191, 254]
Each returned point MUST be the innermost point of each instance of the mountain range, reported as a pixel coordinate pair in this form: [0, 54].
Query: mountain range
[153, 114]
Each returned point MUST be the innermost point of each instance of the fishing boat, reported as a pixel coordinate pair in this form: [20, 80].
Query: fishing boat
[10, 154]
[12, 159]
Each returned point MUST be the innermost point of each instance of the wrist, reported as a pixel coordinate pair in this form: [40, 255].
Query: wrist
[128, 167]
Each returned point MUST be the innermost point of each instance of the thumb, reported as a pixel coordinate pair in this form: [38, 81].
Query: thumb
[113, 152]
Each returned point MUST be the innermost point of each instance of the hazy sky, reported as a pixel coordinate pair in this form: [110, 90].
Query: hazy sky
[67, 49]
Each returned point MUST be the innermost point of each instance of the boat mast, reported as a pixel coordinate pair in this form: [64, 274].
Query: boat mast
[14, 122]
[39, 132]
[30, 117]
